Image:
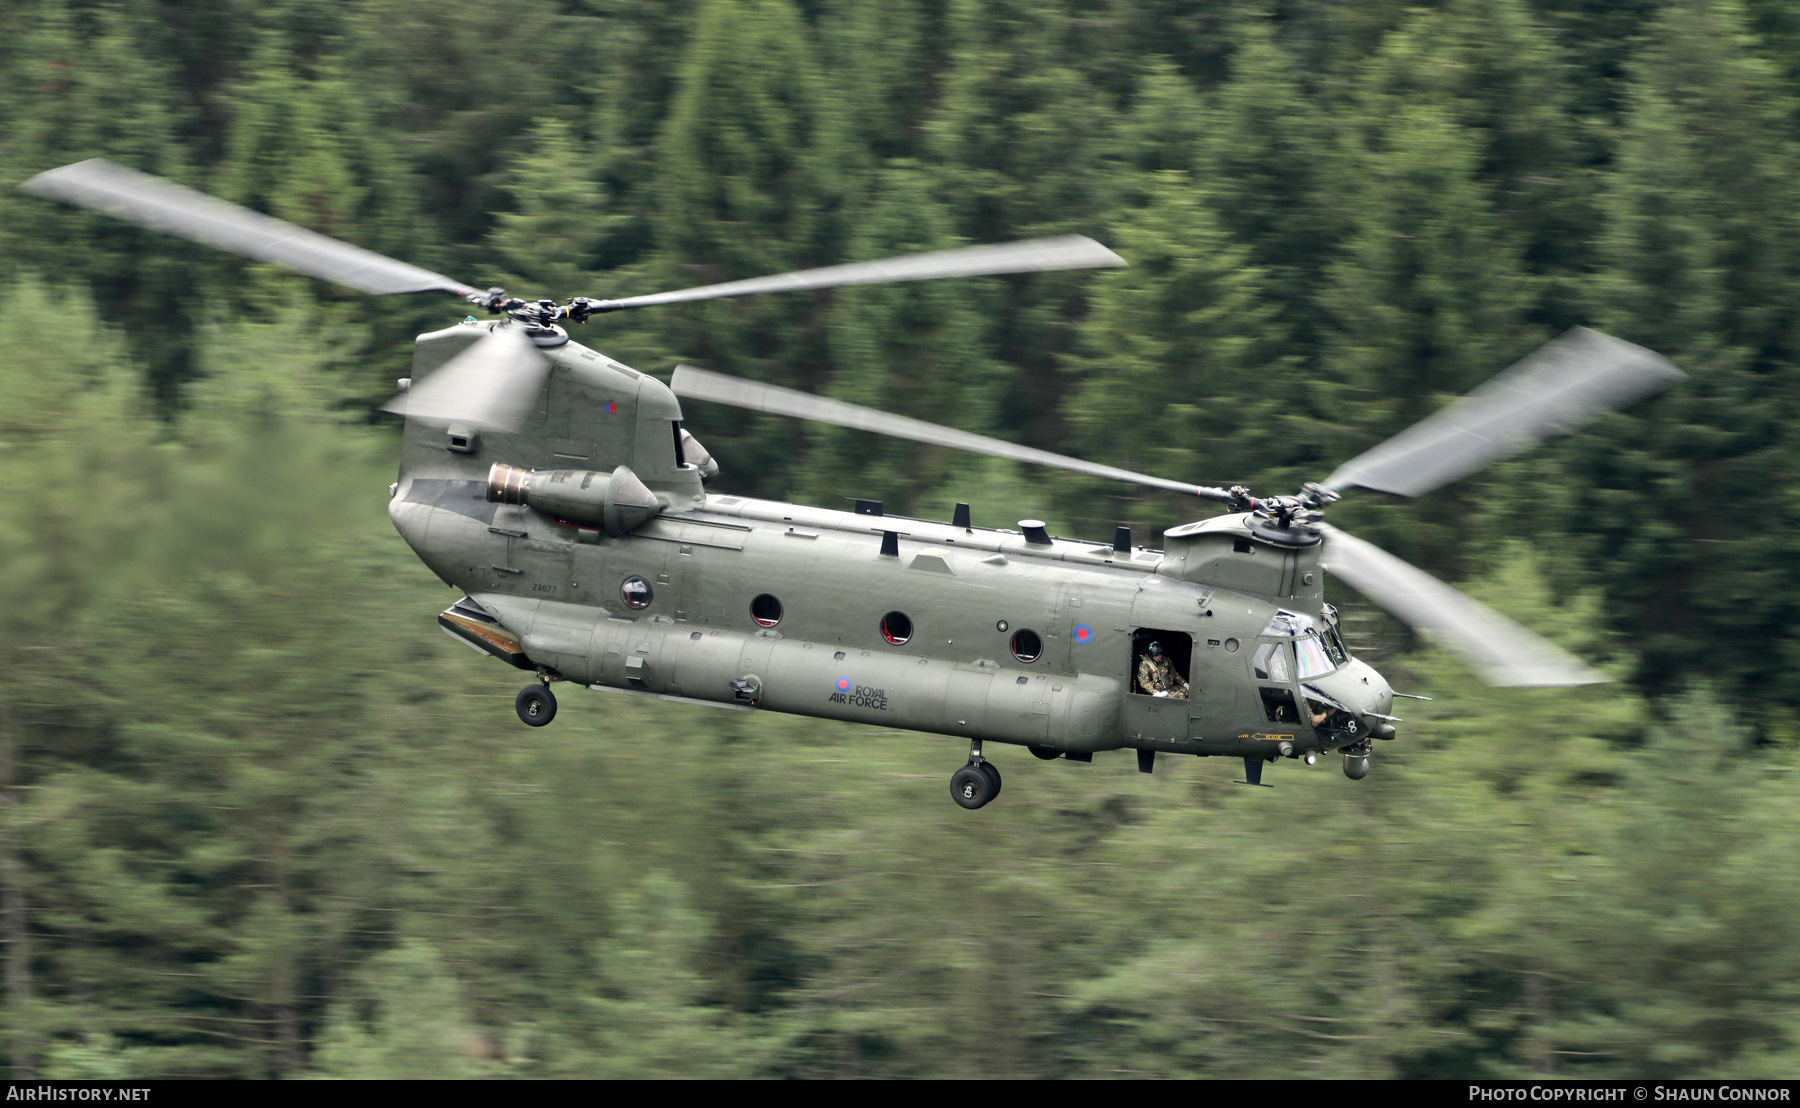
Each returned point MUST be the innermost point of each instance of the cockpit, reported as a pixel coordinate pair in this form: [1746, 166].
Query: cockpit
[1295, 649]
[1304, 651]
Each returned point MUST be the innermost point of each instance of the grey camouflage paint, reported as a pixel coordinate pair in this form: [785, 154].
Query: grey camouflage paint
[558, 588]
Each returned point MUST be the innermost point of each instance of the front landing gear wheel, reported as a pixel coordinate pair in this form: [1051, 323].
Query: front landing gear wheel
[971, 787]
[536, 705]
[993, 773]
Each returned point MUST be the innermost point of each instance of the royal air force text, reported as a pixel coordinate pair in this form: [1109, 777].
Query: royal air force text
[862, 697]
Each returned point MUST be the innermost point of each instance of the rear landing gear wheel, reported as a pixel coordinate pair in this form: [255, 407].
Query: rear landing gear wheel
[536, 705]
[993, 773]
[971, 787]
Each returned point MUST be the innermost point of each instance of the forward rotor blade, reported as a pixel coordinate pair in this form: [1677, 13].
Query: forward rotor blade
[102, 186]
[493, 385]
[701, 384]
[1499, 649]
[1554, 390]
[1031, 256]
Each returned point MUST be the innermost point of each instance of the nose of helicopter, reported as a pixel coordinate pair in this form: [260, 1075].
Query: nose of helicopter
[1360, 689]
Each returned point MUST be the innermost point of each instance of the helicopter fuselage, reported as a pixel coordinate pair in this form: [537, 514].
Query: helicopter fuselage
[990, 634]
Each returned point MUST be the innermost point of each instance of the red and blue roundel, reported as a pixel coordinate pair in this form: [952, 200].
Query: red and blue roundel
[1083, 634]
[843, 684]
[612, 407]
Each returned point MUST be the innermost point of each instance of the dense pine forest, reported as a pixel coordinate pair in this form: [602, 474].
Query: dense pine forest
[259, 818]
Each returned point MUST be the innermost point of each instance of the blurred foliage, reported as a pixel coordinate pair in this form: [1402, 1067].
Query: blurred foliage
[257, 819]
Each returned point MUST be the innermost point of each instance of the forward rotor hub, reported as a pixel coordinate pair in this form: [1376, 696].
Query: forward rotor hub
[1286, 521]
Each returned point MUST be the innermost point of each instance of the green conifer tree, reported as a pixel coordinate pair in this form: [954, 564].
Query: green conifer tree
[754, 164]
[1701, 259]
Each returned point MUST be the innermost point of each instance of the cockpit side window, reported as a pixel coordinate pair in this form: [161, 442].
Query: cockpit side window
[1271, 662]
[1278, 706]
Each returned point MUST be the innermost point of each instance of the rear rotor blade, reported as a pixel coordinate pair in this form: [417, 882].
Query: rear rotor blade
[493, 385]
[1499, 649]
[1561, 386]
[701, 384]
[1031, 256]
[102, 186]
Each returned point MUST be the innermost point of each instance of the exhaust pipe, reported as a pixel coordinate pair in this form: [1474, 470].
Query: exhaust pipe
[508, 484]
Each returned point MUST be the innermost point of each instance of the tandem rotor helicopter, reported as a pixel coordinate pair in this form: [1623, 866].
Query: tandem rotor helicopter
[558, 489]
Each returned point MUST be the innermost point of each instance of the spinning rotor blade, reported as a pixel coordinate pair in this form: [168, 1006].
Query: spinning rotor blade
[493, 385]
[701, 384]
[1031, 256]
[1556, 389]
[1499, 649]
[102, 186]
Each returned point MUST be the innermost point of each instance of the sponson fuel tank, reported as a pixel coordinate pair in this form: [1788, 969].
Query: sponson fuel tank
[658, 656]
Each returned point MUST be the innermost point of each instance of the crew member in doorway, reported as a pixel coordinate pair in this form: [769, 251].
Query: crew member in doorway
[1157, 676]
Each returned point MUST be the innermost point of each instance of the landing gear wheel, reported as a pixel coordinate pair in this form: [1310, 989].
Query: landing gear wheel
[971, 787]
[536, 705]
[993, 773]
[1045, 752]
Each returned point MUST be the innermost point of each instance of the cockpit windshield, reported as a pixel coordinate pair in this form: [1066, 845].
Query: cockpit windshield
[1334, 646]
[1320, 654]
[1313, 657]
[1316, 652]
[1288, 625]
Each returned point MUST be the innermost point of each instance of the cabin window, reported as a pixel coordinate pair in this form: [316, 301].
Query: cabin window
[896, 628]
[765, 610]
[1027, 646]
[635, 592]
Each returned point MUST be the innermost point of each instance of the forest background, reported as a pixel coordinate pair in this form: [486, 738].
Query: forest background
[257, 818]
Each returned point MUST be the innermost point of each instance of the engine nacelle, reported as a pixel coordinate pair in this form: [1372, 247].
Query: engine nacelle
[619, 503]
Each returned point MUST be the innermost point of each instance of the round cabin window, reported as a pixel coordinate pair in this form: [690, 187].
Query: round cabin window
[636, 593]
[765, 610]
[1027, 646]
[896, 628]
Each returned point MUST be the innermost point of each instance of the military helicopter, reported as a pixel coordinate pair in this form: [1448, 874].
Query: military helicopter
[558, 489]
